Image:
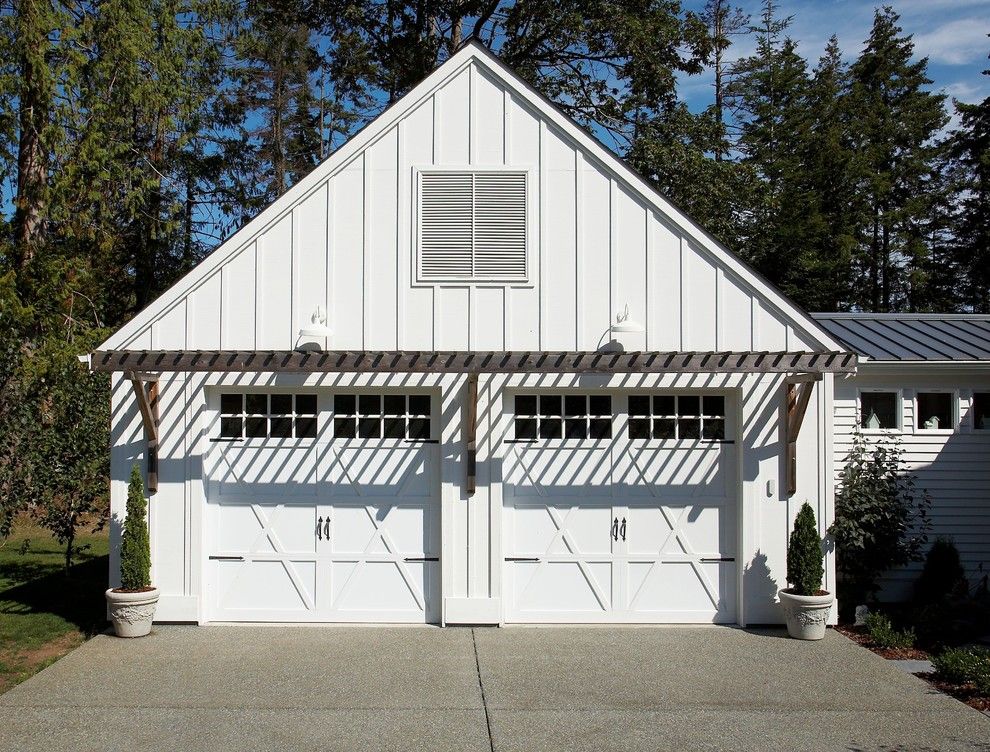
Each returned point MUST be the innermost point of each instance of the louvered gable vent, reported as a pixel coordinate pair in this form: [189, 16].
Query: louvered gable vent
[472, 225]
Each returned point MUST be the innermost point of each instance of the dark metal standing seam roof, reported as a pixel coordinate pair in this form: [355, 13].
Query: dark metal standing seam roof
[911, 336]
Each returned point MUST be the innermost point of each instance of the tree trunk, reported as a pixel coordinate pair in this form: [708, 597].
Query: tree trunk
[68, 550]
[33, 105]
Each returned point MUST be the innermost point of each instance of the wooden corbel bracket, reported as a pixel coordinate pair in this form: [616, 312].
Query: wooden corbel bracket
[799, 388]
[146, 392]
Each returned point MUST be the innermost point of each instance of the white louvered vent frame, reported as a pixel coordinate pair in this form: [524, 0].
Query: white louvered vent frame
[473, 226]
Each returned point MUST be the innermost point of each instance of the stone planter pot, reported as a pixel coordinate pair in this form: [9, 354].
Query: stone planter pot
[132, 613]
[806, 614]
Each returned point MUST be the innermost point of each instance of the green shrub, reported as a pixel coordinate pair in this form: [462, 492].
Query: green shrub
[964, 666]
[135, 546]
[881, 518]
[943, 575]
[804, 554]
[884, 635]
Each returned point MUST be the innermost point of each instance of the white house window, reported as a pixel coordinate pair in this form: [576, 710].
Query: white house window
[981, 411]
[934, 411]
[268, 416]
[472, 225]
[878, 410]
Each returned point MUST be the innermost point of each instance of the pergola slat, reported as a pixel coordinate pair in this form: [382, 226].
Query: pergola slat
[385, 361]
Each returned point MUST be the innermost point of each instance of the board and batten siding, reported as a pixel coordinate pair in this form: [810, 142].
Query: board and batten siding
[348, 244]
[953, 467]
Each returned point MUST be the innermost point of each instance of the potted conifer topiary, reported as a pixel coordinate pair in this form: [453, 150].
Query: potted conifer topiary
[132, 605]
[806, 605]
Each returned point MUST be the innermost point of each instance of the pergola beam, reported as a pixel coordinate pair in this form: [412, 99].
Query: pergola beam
[404, 361]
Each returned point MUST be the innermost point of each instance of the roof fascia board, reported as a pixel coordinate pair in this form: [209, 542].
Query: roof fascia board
[980, 367]
[285, 203]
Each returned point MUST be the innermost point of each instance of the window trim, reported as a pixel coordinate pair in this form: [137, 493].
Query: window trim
[898, 410]
[972, 410]
[953, 408]
[588, 440]
[678, 442]
[417, 279]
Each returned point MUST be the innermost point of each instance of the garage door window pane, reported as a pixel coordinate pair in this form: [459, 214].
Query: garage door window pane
[231, 428]
[714, 429]
[935, 411]
[575, 405]
[600, 405]
[369, 428]
[576, 428]
[281, 404]
[306, 427]
[664, 428]
[688, 405]
[345, 404]
[395, 428]
[419, 429]
[878, 410]
[526, 429]
[369, 404]
[551, 404]
[981, 411]
[306, 404]
[551, 428]
[714, 406]
[600, 428]
[256, 428]
[344, 428]
[665, 404]
[395, 404]
[257, 403]
[525, 404]
[419, 404]
[231, 404]
[281, 428]
[639, 428]
[639, 405]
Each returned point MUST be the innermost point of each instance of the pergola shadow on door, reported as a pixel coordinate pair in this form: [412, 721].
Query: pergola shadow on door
[803, 369]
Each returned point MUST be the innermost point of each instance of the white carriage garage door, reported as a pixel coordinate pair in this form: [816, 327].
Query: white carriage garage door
[620, 508]
[322, 507]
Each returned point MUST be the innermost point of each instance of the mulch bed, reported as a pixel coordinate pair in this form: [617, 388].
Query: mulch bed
[860, 636]
[963, 692]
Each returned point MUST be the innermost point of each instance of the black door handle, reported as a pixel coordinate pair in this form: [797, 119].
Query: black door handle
[615, 529]
[319, 528]
[622, 530]
[326, 530]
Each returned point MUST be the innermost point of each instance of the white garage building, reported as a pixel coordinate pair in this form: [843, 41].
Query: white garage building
[472, 369]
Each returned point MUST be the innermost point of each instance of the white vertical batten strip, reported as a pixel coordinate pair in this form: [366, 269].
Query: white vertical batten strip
[648, 250]
[294, 276]
[403, 261]
[612, 291]
[365, 248]
[258, 303]
[719, 308]
[579, 322]
[541, 233]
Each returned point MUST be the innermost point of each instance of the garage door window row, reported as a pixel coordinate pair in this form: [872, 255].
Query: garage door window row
[556, 416]
[677, 417]
[382, 416]
[263, 416]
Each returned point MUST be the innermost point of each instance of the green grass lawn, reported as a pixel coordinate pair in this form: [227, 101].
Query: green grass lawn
[43, 613]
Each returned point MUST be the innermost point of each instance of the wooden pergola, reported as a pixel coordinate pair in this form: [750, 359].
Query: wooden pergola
[803, 369]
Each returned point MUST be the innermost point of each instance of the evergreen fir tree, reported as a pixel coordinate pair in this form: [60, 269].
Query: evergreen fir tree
[970, 153]
[897, 121]
[135, 543]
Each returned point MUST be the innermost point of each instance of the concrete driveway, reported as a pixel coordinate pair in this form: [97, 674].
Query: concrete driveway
[369, 688]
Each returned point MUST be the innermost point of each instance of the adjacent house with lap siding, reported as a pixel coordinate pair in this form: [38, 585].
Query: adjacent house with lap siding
[473, 370]
[924, 380]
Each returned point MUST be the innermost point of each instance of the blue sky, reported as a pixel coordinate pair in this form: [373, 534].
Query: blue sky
[952, 33]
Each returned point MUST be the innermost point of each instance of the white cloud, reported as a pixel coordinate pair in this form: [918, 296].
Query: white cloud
[955, 43]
